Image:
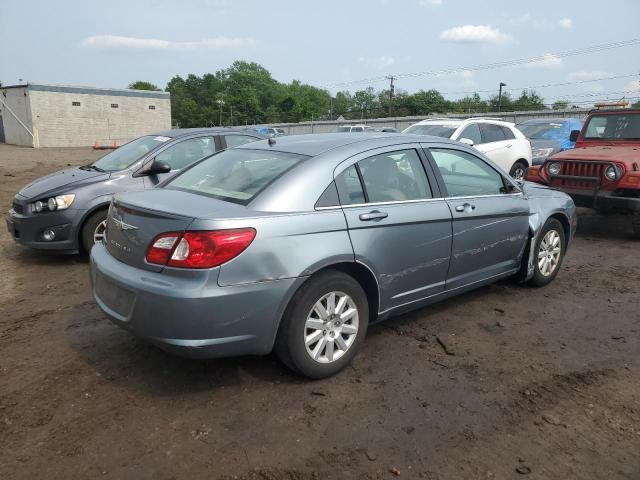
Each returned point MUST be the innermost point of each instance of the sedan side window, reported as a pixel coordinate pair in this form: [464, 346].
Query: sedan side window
[182, 154]
[508, 134]
[351, 192]
[465, 174]
[472, 132]
[394, 176]
[237, 140]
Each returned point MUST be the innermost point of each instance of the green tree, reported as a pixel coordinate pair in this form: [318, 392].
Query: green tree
[142, 85]
[560, 105]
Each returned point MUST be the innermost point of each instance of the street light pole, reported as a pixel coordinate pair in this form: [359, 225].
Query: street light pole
[500, 96]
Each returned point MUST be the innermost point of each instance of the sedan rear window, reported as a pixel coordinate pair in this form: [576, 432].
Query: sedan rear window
[236, 175]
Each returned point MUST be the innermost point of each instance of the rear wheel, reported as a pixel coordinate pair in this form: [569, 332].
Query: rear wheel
[518, 170]
[549, 253]
[324, 325]
[93, 230]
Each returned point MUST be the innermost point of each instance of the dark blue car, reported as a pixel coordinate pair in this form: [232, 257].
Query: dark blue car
[549, 136]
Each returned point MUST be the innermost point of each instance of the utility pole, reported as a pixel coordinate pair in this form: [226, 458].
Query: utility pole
[391, 78]
[221, 103]
[500, 96]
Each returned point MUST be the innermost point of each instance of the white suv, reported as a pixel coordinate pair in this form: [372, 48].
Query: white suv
[501, 141]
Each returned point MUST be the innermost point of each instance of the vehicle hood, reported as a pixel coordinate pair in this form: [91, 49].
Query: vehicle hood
[546, 143]
[536, 190]
[178, 202]
[620, 153]
[61, 182]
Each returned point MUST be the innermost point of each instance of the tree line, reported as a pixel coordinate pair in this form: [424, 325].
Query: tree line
[247, 94]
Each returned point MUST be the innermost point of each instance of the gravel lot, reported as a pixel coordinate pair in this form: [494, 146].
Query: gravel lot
[542, 383]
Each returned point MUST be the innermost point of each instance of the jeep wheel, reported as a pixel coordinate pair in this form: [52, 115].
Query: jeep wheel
[636, 225]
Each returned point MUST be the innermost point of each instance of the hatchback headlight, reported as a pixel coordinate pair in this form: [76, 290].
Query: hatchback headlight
[611, 173]
[541, 152]
[554, 168]
[60, 202]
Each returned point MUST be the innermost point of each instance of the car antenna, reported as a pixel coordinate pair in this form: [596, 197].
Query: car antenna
[272, 141]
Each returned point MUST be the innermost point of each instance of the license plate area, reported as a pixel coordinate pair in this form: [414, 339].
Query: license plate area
[115, 297]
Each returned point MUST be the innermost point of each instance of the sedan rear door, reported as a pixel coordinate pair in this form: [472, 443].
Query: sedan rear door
[399, 226]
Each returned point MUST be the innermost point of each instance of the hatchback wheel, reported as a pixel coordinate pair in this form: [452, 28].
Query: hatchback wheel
[549, 252]
[518, 170]
[324, 325]
[93, 230]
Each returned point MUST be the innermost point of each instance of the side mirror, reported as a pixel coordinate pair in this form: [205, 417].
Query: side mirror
[466, 141]
[573, 136]
[156, 167]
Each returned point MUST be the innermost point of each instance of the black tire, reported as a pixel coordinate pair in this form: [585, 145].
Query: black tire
[290, 343]
[89, 227]
[635, 223]
[518, 170]
[540, 278]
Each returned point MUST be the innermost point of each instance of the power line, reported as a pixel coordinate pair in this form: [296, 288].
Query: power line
[501, 64]
[546, 85]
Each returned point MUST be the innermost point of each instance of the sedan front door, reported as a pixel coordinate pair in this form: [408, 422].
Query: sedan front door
[399, 226]
[490, 217]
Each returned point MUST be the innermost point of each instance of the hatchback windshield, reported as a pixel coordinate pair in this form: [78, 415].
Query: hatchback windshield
[444, 131]
[613, 127]
[539, 131]
[129, 153]
[236, 175]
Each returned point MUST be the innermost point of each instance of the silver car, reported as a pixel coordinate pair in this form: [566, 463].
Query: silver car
[299, 243]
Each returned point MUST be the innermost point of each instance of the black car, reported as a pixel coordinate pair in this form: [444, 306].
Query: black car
[66, 211]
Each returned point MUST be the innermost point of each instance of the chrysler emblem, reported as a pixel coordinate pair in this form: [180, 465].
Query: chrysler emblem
[120, 225]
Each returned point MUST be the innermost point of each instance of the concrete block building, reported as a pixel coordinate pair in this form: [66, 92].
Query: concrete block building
[37, 115]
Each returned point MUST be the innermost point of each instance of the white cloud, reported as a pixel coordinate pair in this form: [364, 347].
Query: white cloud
[565, 23]
[584, 75]
[476, 34]
[430, 3]
[115, 41]
[378, 63]
[548, 61]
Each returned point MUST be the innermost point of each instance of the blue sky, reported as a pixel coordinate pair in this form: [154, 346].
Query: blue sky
[325, 43]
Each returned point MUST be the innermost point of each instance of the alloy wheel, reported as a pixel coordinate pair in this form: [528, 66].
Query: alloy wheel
[98, 233]
[331, 327]
[549, 253]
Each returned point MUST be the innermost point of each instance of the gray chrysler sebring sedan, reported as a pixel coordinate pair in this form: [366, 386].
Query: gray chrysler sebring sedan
[67, 210]
[299, 243]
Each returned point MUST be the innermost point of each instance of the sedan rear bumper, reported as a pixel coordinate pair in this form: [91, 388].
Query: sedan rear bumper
[189, 315]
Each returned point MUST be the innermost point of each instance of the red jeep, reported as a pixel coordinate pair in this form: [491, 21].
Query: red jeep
[603, 170]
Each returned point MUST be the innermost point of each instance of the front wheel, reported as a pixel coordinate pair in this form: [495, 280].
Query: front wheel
[518, 170]
[93, 230]
[324, 325]
[549, 253]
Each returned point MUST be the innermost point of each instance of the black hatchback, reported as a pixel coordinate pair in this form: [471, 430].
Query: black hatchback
[66, 211]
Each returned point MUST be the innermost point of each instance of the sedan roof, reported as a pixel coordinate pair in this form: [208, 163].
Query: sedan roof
[179, 132]
[316, 144]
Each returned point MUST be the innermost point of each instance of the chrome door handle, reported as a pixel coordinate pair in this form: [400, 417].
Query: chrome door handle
[374, 215]
[467, 207]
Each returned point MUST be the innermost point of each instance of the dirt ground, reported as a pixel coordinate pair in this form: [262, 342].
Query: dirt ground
[541, 383]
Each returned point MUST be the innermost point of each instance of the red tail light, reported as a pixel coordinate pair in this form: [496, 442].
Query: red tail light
[199, 249]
